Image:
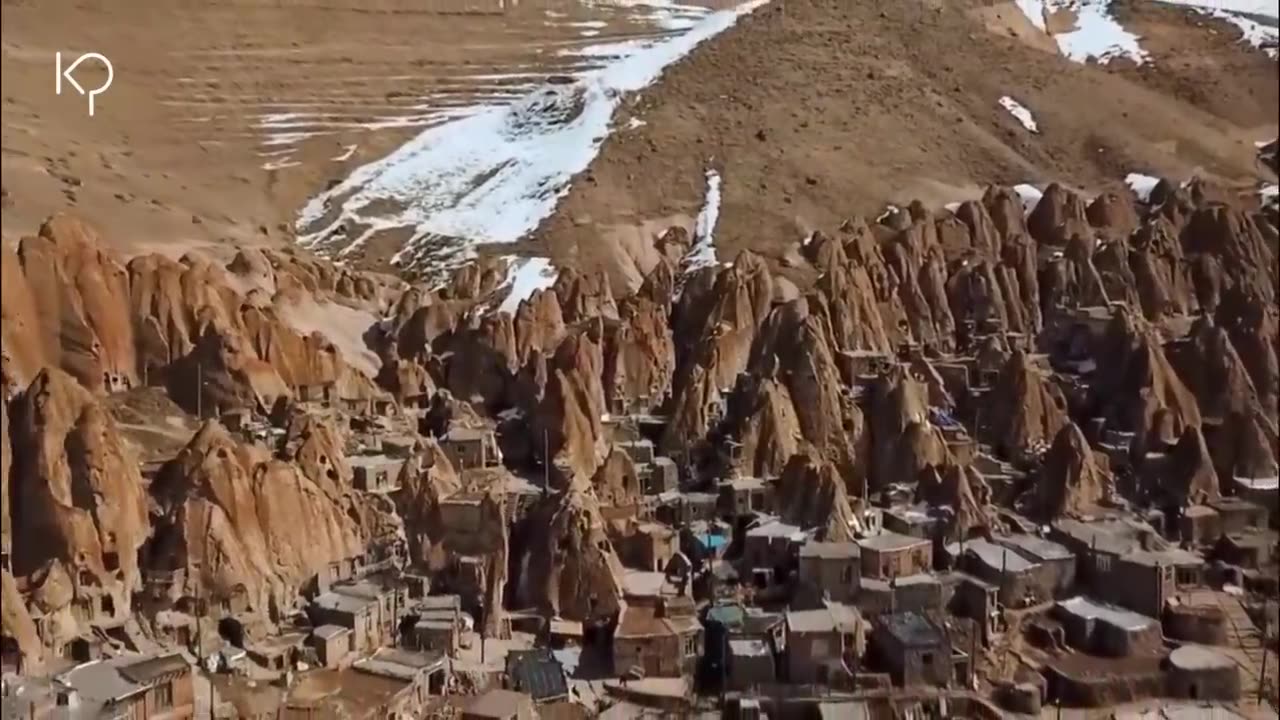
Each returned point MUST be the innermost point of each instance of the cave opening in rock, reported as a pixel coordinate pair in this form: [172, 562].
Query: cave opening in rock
[232, 631]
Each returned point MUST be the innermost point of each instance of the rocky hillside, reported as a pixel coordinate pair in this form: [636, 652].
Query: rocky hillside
[852, 374]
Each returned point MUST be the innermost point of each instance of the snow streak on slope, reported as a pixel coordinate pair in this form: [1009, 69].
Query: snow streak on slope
[1258, 20]
[1096, 34]
[495, 175]
[703, 252]
[526, 276]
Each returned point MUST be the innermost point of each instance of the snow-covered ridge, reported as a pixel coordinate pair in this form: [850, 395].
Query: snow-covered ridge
[494, 175]
[1258, 20]
[1096, 34]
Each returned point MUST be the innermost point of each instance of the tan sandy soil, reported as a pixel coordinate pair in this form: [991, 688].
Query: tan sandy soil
[813, 110]
[174, 155]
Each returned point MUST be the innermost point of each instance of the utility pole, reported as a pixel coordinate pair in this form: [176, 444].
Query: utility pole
[973, 652]
[1262, 676]
[1004, 568]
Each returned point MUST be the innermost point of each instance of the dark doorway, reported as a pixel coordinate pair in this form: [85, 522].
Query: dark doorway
[232, 631]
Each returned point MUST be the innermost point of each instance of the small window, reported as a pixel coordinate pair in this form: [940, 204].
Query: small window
[164, 696]
[927, 659]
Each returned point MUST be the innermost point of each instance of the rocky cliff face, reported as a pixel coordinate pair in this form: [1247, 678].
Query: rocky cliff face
[1072, 480]
[71, 304]
[249, 528]
[812, 494]
[568, 567]
[791, 393]
[1026, 410]
[824, 370]
[77, 502]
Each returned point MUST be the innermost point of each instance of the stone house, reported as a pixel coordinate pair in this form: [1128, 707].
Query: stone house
[437, 624]
[374, 473]
[649, 547]
[1057, 564]
[332, 643]
[1021, 582]
[920, 592]
[369, 610]
[771, 544]
[1105, 629]
[317, 393]
[976, 599]
[891, 554]
[469, 448]
[677, 508]
[1125, 563]
[133, 687]
[833, 567]
[919, 520]
[640, 451]
[824, 645]
[750, 664]
[1200, 673]
[914, 649]
[740, 497]
[751, 628]
[1247, 550]
[662, 475]
[389, 683]
[1200, 525]
[1238, 514]
[657, 641]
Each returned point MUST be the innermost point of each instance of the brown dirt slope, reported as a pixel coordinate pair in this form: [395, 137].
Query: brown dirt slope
[813, 110]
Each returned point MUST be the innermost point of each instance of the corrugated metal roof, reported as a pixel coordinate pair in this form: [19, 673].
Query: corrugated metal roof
[538, 673]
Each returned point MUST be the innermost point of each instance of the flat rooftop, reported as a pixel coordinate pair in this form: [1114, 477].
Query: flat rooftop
[888, 541]
[748, 647]
[1035, 547]
[1088, 609]
[832, 618]
[830, 550]
[912, 630]
[998, 557]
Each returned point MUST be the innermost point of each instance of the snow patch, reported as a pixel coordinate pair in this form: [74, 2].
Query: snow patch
[493, 176]
[283, 164]
[1258, 20]
[1269, 194]
[1141, 185]
[1097, 35]
[889, 211]
[1030, 195]
[347, 152]
[526, 276]
[703, 252]
[1020, 113]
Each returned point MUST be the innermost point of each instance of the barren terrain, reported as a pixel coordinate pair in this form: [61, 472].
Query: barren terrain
[224, 117]
[814, 110]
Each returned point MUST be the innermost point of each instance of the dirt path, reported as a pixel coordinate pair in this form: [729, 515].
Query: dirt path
[813, 110]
